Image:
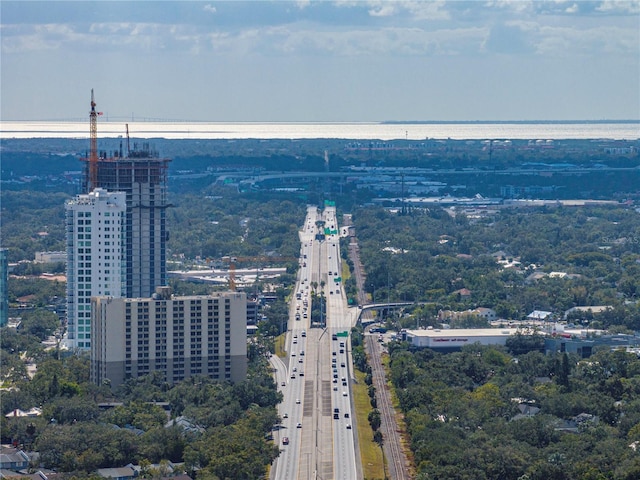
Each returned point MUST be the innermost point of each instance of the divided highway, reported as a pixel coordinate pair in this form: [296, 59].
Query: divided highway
[316, 437]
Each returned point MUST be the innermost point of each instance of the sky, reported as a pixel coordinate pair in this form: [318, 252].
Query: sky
[320, 61]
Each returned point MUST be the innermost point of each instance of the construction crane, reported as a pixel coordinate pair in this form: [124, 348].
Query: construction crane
[93, 150]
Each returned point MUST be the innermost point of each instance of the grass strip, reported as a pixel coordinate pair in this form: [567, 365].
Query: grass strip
[370, 452]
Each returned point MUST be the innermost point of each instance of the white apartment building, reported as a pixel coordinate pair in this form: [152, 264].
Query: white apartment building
[95, 235]
[179, 337]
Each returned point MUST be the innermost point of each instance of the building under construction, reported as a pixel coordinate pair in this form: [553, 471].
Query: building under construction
[142, 175]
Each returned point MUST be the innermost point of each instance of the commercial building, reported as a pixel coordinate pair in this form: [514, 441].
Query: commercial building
[177, 336]
[142, 176]
[4, 292]
[95, 234]
[449, 340]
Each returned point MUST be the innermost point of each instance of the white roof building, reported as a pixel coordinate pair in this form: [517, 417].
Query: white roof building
[538, 315]
[452, 339]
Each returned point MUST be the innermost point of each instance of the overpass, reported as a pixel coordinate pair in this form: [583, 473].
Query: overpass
[384, 306]
[251, 179]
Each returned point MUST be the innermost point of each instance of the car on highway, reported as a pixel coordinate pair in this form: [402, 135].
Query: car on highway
[298, 425]
[285, 440]
[297, 401]
[285, 415]
[344, 394]
[283, 384]
[348, 426]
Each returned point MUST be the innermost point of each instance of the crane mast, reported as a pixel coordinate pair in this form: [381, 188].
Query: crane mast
[93, 150]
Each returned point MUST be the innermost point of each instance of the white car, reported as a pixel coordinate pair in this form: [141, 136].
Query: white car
[297, 401]
[344, 394]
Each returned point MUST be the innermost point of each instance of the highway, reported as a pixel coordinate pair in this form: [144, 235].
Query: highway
[314, 377]
[339, 320]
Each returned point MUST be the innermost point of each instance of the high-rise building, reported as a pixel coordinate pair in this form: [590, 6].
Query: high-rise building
[142, 176]
[95, 235]
[4, 292]
[179, 337]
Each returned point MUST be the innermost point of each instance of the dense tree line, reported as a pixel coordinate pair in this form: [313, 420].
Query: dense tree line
[76, 436]
[464, 413]
[225, 224]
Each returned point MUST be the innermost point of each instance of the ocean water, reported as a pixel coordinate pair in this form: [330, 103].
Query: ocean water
[355, 131]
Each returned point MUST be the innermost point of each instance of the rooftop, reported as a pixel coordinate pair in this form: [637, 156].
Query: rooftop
[463, 332]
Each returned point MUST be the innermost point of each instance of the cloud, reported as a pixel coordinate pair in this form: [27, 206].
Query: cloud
[385, 10]
[572, 9]
[433, 10]
[564, 41]
[346, 28]
[625, 7]
[386, 41]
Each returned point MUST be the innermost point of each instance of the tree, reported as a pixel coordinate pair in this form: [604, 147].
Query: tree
[523, 342]
[374, 419]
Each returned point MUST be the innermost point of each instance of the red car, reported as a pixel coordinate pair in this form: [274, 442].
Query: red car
[285, 441]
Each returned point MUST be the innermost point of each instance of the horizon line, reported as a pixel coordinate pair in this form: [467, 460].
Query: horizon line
[114, 119]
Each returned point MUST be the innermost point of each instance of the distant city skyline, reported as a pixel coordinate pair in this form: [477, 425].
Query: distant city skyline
[321, 61]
